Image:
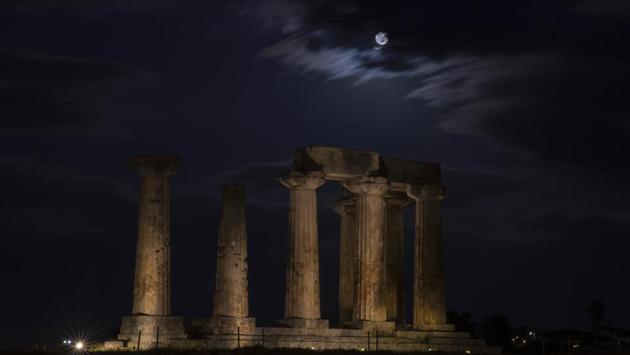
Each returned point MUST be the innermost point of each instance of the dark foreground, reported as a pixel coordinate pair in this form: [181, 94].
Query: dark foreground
[265, 351]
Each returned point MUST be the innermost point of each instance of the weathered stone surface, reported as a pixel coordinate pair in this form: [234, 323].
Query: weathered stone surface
[336, 163]
[429, 308]
[325, 339]
[383, 327]
[395, 257]
[223, 325]
[230, 294]
[305, 323]
[369, 302]
[411, 172]
[302, 294]
[153, 330]
[347, 257]
[344, 164]
[152, 277]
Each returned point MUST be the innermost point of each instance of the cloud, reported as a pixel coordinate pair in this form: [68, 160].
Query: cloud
[544, 79]
[43, 201]
[89, 8]
[43, 93]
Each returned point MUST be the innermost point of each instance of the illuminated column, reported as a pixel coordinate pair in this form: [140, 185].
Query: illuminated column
[231, 306]
[369, 306]
[302, 307]
[395, 257]
[428, 290]
[151, 293]
[347, 258]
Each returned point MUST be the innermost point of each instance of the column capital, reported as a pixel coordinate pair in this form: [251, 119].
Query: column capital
[398, 199]
[303, 181]
[154, 165]
[371, 186]
[345, 206]
[426, 192]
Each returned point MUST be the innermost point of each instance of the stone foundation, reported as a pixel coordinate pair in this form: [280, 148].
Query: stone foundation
[153, 330]
[328, 339]
[381, 327]
[223, 325]
[305, 323]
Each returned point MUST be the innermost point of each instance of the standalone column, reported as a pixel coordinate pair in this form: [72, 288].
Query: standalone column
[302, 308]
[231, 307]
[395, 257]
[152, 283]
[347, 258]
[428, 290]
[369, 306]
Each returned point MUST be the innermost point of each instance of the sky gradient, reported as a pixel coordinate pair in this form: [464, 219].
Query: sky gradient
[524, 105]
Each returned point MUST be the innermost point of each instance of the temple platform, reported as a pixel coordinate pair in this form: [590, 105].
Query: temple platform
[320, 339]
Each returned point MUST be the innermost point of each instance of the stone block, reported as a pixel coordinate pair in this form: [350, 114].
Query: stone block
[382, 327]
[305, 323]
[436, 327]
[224, 325]
[411, 172]
[170, 327]
[337, 163]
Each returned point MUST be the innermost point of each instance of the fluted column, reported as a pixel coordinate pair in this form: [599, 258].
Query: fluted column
[395, 257]
[151, 293]
[369, 305]
[302, 293]
[347, 258]
[230, 295]
[428, 299]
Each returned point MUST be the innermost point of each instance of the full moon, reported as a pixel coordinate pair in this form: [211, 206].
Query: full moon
[381, 38]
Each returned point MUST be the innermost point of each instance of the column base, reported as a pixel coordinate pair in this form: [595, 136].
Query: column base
[147, 327]
[444, 327]
[224, 325]
[304, 323]
[384, 327]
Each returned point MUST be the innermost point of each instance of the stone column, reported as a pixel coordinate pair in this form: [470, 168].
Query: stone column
[369, 306]
[347, 258]
[302, 307]
[231, 307]
[152, 283]
[395, 257]
[151, 293]
[429, 311]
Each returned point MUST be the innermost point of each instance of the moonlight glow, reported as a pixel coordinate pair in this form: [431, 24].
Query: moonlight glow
[381, 38]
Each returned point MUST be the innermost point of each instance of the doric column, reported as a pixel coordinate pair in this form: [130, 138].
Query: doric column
[231, 306]
[347, 258]
[151, 293]
[428, 290]
[302, 307]
[230, 295]
[369, 305]
[395, 257]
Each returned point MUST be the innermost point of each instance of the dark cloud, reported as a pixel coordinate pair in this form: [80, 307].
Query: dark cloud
[43, 201]
[90, 8]
[546, 79]
[54, 94]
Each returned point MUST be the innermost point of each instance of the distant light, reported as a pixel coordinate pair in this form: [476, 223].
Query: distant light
[531, 333]
[381, 38]
[78, 345]
[432, 349]
[467, 351]
[312, 348]
[361, 349]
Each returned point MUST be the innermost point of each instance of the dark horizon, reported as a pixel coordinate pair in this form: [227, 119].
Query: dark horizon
[523, 105]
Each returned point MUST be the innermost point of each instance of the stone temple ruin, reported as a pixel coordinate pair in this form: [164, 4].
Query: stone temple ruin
[371, 287]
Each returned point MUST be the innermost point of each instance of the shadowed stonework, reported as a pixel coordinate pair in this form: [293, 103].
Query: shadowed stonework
[371, 270]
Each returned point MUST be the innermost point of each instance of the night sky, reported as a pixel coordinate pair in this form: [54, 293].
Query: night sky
[525, 105]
